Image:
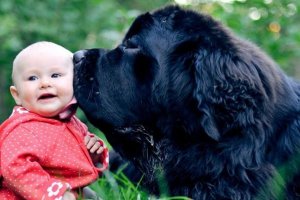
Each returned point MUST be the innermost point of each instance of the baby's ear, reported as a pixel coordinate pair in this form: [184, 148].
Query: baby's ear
[14, 92]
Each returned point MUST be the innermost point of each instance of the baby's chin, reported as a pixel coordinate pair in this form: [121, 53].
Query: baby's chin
[49, 113]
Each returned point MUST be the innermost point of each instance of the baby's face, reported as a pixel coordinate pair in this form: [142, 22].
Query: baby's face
[43, 81]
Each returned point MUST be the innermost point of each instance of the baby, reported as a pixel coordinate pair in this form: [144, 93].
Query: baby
[45, 151]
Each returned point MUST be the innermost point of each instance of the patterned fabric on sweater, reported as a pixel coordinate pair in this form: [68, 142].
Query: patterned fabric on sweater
[41, 158]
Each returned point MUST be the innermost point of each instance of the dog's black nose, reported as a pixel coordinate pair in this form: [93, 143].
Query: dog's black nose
[78, 56]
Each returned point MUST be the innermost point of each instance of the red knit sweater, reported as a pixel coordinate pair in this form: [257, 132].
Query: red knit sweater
[40, 158]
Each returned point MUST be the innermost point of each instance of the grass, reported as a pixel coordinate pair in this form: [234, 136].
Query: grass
[118, 187]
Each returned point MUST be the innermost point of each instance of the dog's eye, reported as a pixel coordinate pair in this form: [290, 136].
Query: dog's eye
[129, 44]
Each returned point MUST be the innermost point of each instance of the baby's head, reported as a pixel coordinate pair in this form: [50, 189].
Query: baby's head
[42, 77]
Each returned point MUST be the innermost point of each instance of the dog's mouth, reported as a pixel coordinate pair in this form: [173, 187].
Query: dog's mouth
[136, 132]
[143, 144]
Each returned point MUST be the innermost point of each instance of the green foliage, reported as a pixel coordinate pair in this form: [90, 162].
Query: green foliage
[118, 186]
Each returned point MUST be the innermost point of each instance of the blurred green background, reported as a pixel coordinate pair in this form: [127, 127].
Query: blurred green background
[77, 24]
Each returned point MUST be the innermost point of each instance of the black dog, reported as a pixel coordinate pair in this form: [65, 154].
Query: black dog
[184, 98]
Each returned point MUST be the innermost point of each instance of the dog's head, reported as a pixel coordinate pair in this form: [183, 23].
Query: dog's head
[176, 69]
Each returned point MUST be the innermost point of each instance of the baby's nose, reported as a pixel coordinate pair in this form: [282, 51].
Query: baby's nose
[45, 83]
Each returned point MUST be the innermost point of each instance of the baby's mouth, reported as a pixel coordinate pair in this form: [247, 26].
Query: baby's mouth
[46, 96]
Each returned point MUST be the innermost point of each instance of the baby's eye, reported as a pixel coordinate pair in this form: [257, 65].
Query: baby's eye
[32, 78]
[55, 75]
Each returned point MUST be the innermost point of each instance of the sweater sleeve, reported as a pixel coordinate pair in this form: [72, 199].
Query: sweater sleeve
[21, 154]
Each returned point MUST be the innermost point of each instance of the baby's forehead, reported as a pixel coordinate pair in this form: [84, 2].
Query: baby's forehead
[43, 49]
[39, 54]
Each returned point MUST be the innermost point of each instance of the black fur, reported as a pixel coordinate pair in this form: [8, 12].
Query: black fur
[185, 99]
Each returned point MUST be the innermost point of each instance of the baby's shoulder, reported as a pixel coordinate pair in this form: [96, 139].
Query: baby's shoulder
[35, 125]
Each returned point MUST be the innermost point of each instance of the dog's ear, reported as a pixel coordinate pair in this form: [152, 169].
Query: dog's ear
[233, 89]
[204, 82]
